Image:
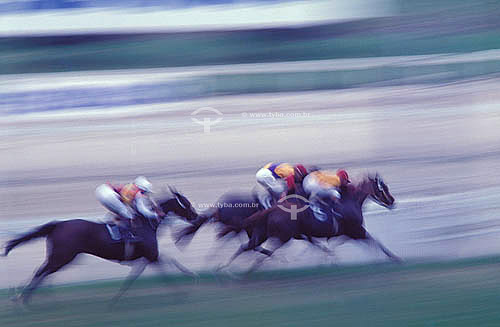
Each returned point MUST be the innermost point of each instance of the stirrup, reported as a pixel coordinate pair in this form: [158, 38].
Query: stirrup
[318, 213]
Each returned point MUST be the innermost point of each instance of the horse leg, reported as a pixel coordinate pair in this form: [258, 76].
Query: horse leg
[40, 275]
[216, 248]
[339, 240]
[276, 245]
[263, 251]
[55, 261]
[256, 240]
[370, 240]
[160, 266]
[226, 230]
[241, 249]
[315, 243]
[320, 246]
[269, 253]
[171, 261]
[133, 275]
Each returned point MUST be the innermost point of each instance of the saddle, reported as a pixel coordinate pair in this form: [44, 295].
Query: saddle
[323, 213]
[121, 234]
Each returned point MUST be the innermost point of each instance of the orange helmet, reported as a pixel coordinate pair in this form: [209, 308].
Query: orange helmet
[344, 177]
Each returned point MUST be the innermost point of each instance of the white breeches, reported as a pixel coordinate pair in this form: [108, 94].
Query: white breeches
[111, 201]
[314, 189]
[266, 178]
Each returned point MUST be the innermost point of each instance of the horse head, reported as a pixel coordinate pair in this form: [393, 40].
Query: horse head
[379, 192]
[178, 204]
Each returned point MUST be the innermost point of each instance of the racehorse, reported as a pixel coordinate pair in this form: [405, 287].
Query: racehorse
[276, 222]
[230, 210]
[67, 239]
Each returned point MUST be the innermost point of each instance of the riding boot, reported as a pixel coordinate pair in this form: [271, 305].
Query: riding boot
[335, 211]
[126, 230]
[265, 199]
[317, 205]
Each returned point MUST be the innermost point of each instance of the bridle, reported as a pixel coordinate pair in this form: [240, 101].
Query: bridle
[379, 192]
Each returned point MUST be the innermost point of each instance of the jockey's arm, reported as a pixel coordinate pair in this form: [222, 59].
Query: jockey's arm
[144, 207]
[290, 183]
[335, 194]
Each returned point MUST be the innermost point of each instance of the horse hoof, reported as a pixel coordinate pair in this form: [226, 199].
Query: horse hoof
[233, 275]
[397, 260]
[195, 277]
[20, 302]
[15, 299]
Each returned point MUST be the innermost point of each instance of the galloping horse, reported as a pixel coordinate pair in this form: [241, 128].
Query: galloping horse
[230, 210]
[276, 222]
[67, 239]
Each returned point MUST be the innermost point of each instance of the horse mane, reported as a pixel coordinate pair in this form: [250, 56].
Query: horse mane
[362, 183]
[366, 177]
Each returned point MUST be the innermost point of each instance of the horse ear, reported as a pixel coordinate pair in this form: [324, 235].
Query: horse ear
[379, 181]
[178, 197]
[172, 190]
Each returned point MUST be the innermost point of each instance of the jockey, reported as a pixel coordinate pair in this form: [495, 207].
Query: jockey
[278, 179]
[323, 187]
[129, 199]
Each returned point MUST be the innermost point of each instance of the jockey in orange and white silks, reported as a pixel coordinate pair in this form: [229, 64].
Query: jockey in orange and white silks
[126, 200]
[323, 187]
[278, 179]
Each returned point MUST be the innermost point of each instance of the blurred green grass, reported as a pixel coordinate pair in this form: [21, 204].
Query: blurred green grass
[457, 293]
[420, 27]
[142, 51]
[220, 84]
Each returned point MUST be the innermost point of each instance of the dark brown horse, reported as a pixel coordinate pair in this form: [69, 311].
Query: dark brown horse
[280, 224]
[67, 239]
[229, 212]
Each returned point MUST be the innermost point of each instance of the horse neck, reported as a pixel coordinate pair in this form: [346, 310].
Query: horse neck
[147, 224]
[363, 190]
[169, 205]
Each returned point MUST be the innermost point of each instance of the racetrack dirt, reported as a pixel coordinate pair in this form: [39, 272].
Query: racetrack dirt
[436, 147]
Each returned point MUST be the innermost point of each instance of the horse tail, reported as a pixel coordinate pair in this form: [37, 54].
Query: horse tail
[193, 228]
[41, 231]
[256, 218]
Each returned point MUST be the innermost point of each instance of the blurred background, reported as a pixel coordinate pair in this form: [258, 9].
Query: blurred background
[93, 91]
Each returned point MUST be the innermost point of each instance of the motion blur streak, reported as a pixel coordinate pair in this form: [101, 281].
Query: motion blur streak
[406, 89]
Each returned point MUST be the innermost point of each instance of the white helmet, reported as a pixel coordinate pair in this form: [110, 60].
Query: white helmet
[143, 184]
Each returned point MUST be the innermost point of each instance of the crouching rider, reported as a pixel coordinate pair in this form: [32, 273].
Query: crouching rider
[323, 188]
[125, 201]
[277, 180]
